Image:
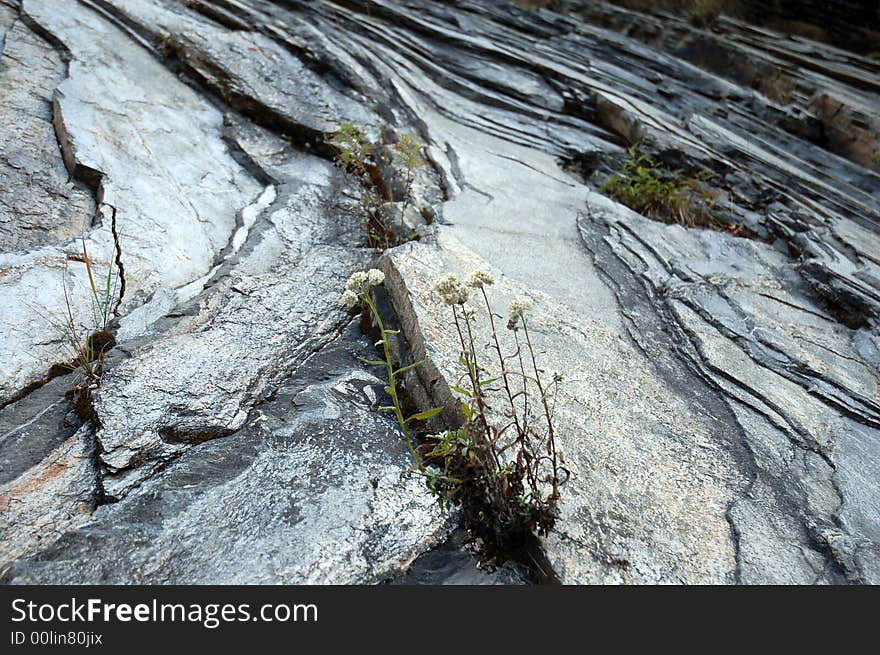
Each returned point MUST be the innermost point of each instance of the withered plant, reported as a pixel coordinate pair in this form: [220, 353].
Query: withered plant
[501, 465]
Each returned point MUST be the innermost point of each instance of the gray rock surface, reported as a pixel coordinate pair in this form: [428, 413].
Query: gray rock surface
[48, 499]
[650, 486]
[34, 425]
[313, 489]
[54, 208]
[720, 412]
[148, 145]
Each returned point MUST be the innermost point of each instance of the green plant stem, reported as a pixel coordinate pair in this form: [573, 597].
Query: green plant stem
[474, 374]
[525, 380]
[406, 194]
[504, 372]
[551, 443]
[392, 379]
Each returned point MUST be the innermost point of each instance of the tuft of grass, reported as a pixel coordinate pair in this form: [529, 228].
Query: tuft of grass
[656, 191]
[88, 341]
[777, 86]
[536, 4]
[88, 338]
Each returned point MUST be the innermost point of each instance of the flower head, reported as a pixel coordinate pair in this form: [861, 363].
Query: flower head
[357, 282]
[361, 281]
[480, 278]
[350, 298]
[375, 277]
[451, 291]
[518, 308]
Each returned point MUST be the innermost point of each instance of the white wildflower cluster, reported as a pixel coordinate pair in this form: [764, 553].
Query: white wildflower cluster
[451, 291]
[357, 282]
[518, 308]
[350, 298]
[479, 279]
[360, 282]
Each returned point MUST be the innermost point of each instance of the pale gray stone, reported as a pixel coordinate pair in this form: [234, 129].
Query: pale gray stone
[720, 410]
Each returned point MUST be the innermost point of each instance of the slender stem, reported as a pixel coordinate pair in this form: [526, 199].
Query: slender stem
[470, 356]
[392, 378]
[551, 442]
[407, 191]
[473, 352]
[504, 374]
[525, 380]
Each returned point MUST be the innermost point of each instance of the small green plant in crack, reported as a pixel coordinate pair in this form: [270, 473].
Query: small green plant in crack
[536, 4]
[408, 151]
[88, 340]
[777, 86]
[658, 192]
[358, 156]
[359, 294]
[87, 346]
[354, 149]
[355, 155]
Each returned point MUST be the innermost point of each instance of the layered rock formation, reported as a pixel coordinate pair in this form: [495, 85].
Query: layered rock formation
[720, 411]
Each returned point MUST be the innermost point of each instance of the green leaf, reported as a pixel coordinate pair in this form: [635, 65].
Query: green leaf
[488, 382]
[371, 362]
[424, 416]
[387, 408]
[409, 367]
[391, 331]
[463, 392]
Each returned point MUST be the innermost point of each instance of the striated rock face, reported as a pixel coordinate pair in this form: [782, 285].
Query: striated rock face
[312, 490]
[721, 405]
[53, 207]
[853, 24]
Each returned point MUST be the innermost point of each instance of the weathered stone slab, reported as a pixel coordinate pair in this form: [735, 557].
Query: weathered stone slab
[54, 208]
[34, 426]
[48, 499]
[651, 478]
[315, 488]
[803, 399]
[153, 148]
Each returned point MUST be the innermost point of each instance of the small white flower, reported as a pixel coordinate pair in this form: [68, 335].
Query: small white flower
[480, 278]
[350, 298]
[357, 282]
[518, 308]
[451, 291]
[375, 277]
